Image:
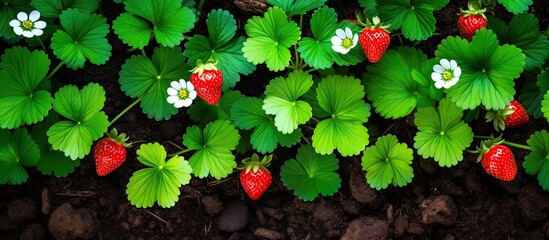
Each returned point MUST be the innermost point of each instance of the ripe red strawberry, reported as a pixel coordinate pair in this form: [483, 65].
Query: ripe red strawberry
[254, 177]
[207, 81]
[110, 152]
[374, 40]
[512, 116]
[471, 21]
[499, 162]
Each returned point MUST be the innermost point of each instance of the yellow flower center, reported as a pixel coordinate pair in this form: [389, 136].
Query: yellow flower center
[447, 75]
[347, 43]
[27, 24]
[183, 94]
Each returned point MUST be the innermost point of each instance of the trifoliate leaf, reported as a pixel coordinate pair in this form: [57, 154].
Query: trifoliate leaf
[270, 38]
[297, 7]
[442, 134]
[531, 93]
[8, 11]
[149, 79]
[22, 100]
[51, 161]
[82, 38]
[160, 182]
[415, 18]
[222, 47]
[166, 20]
[282, 101]
[203, 112]
[487, 70]
[523, 32]
[311, 174]
[247, 114]
[536, 162]
[53, 8]
[18, 150]
[214, 145]
[317, 51]
[85, 121]
[388, 162]
[391, 87]
[516, 6]
[342, 98]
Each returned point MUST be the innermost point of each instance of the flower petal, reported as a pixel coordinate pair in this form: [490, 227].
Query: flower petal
[336, 41]
[436, 76]
[340, 49]
[340, 33]
[18, 30]
[28, 34]
[175, 85]
[40, 24]
[355, 41]
[172, 92]
[445, 63]
[187, 102]
[37, 32]
[179, 104]
[34, 15]
[15, 23]
[173, 99]
[183, 84]
[457, 72]
[449, 84]
[192, 95]
[439, 69]
[190, 86]
[439, 84]
[22, 16]
[348, 33]
[453, 64]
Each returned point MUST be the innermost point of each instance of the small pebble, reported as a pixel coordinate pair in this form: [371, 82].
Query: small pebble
[46, 201]
[22, 210]
[268, 234]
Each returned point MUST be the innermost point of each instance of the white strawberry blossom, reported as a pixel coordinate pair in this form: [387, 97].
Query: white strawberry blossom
[181, 93]
[344, 40]
[446, 74]
[28, 25]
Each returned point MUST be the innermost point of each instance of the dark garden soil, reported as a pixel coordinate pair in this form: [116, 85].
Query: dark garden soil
[462, 202]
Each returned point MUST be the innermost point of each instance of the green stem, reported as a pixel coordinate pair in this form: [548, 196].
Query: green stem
[42, 44]
[310, 70]
[510, 144]
[306, 140]
[200, 5]
[55, 69]
[143, 52]
[124, 111]
[180, 152]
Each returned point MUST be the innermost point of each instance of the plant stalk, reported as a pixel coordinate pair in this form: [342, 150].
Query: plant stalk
[200, 5]
[510, 144]
[42, 44]
[55, 69]
[180, 152]
[124, 111]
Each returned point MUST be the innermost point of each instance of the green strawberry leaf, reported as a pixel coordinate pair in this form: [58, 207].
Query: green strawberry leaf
[8, 11]
[203, 112]
[297, 7]
[532, 92]
[488, 70]
[370, 6]
[18, 150]
[270, 38]
[311, 174]
[160, 182]
[388, 162]
[220, 46]
[214, 145]
[516, 6]
[523, 32]
[85, 121]
[82, 38]
[414, 18]
[281, 100]
[166, 20]
[317, 51]
[22, 100]
[391, 86]
[442, 134]
[149, 79]
[536, 161]
[342, 98]
[53, 8]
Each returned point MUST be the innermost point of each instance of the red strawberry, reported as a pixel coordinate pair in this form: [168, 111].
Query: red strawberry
[207, 81]
[471, 21]
[512, 116]
[374, 40]
[110, 152]
[499, 162]
[254, 177]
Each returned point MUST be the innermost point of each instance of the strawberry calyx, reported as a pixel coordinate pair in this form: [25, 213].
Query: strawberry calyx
[486, 145]
[374, 24]
[201, 66]
[253, 164]
[474, 8]
[497, 117]
[121, 138]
